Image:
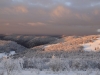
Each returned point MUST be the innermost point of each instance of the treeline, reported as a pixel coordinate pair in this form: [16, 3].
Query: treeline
[29, 41]
[54, 64]
[7, 46]
[2, 36]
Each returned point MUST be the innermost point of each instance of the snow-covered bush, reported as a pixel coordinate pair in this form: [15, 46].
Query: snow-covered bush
[55, 64]
[9, 65]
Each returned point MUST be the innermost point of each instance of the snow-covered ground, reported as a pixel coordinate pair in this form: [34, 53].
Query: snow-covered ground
[6, 54]
[36, 72]
[92, 46]
[46, 46]
[91, 66]
[60, 73]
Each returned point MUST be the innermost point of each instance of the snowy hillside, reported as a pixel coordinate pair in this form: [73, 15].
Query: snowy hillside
[70, 43]
[69, 55]
[92, 46]
[7, 46]
[30, 41]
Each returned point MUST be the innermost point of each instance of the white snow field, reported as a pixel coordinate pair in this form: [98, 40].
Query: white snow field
[36, 72]
[2, 55]
[92, 46]
[7, 54]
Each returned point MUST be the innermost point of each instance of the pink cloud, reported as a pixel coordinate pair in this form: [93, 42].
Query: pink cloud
[35, 24]
[13, 10]
[60, 11]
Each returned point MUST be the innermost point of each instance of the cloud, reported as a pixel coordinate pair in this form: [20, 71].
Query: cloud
[84, 17]
[60, 11]
[62, 15]
[95, 4]
[35, 24]
[52, 14]
[96, 12]
[64, 12]
[98, 30]
[4, 24]
[20, 9]
[7, 24]
[13, 10]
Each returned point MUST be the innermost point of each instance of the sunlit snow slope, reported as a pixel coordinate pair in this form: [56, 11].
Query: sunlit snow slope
[92, 46]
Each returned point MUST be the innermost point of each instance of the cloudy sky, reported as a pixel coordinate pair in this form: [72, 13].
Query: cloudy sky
[70, 17]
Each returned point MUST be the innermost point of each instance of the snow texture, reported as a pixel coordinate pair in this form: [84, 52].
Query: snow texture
[92, 46]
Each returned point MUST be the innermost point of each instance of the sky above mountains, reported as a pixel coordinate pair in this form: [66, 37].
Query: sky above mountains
[49, 16]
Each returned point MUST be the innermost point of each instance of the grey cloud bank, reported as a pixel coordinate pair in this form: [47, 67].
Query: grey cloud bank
[50, 16]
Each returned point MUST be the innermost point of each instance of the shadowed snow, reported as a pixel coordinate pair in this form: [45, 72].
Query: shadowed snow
[5, 54]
